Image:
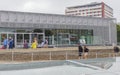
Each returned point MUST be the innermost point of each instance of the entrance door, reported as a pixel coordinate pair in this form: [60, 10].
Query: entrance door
[19, 40]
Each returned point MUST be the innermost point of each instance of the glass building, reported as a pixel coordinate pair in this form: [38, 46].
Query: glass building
[60, 30]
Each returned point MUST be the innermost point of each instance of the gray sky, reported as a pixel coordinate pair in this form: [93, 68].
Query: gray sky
[53, 6]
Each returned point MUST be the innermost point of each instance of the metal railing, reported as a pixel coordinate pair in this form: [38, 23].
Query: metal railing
[51, 55]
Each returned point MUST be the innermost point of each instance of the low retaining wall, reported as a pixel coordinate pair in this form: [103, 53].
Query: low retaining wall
[42, 54]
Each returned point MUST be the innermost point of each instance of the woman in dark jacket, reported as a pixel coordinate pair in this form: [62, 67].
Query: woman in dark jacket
[116, 50]
[86, 50]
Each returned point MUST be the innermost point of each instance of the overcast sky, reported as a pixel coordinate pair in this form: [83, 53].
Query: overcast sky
[53, 6]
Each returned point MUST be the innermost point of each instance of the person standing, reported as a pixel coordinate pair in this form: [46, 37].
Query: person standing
[25, 44]
[35, 40]
[5, 43]
[46, 43]
[34, 45]
[80, 50]
[10, 43]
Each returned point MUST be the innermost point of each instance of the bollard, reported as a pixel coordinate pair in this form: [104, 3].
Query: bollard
[66, 56]
[12, 56]
[32, 57]
[50, 56]
[109, 55]
[96, 55]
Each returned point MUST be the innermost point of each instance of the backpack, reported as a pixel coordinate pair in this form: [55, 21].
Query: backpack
[116, 49]
[86, 50]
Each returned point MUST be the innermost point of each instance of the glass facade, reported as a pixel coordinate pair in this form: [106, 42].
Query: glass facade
[56, 37]
[19, 36]
[60, 37]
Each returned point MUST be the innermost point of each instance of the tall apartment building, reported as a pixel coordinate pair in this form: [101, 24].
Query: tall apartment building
[93, 9]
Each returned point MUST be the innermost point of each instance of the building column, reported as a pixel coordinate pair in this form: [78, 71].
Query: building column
[23, 39]
[52, 39]
[30, 39]
[8, 40]
[43, 34]
[0, 39]
[69, 39]
[15, 39]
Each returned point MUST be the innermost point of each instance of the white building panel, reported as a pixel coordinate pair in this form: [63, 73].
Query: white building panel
[12, 17]
[50, 19]
[21, 17]
[68, 20]
[62, 20]
[43, 18]
[28, 18]
[4, 17]
[74, 21]
[56, 20]
[36, 18]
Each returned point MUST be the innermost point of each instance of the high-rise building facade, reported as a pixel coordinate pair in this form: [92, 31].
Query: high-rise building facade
[93, 9]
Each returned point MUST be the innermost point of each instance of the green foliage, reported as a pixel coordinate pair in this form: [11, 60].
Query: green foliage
[118, 32]
[118, 27]
[37, 30]
[48, 32]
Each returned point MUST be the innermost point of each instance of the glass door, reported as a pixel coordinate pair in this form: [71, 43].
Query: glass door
[40, 38]
[19, 40]
[63, 38]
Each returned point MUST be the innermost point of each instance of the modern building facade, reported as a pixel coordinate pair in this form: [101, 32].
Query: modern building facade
[93, 9]
[60, 30]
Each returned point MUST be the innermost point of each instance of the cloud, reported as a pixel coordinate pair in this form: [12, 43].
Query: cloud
[36, 6]
[52, 6]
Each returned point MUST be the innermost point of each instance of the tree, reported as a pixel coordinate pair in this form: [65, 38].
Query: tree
[37, 30]
[48, 32]
[118, 32]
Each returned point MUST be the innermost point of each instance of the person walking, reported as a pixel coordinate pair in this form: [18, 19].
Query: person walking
[116, 50]
[86, 50]
[80, 51]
